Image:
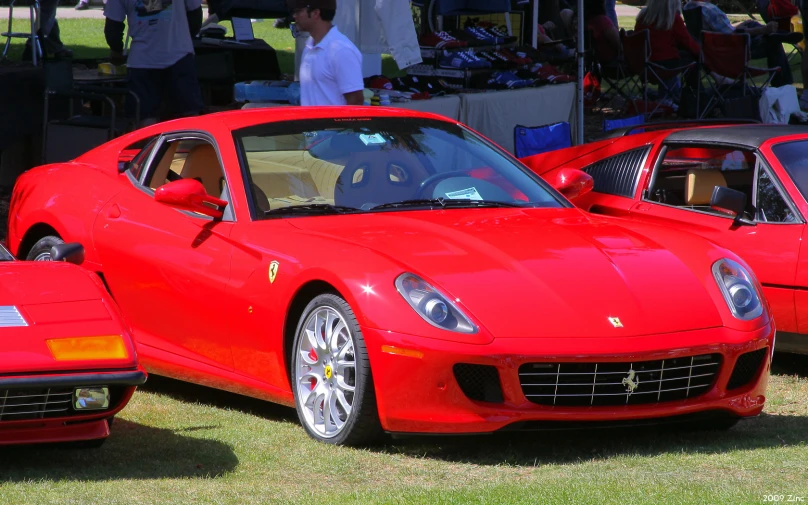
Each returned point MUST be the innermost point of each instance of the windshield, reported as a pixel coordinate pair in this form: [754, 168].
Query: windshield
[375, 164]
[5, 255]
[794, 158]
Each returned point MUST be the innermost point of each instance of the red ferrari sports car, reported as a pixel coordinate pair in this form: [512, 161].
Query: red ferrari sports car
[387, 270]
[740, 186]
[67, 363]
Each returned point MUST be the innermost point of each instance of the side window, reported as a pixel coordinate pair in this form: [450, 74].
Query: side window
[771, 206]
[687, 175]
[617, 175]
[187, 159]
[133, 156]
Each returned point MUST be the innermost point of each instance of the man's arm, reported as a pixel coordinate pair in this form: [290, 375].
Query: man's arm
[355, 97]
[115, 13]
[195, 21]
[113, 33]
[766, 29]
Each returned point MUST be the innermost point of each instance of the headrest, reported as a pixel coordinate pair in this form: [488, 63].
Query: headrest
[699, 186]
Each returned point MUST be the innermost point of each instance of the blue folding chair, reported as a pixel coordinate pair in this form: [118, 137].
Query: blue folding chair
[611, 124]
[530, 140]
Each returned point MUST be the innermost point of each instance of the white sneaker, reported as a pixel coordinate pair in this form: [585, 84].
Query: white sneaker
[803, 102]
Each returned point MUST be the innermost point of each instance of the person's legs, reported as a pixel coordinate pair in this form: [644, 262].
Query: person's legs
[611, 11]
[146, 83]
[182, 86]
[772, 48]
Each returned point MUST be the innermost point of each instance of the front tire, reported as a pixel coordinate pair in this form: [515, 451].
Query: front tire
[331, 377]
[41, 250]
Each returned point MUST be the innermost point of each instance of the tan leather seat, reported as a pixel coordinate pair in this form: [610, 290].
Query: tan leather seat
[160, 175]
[699, 186]
[202, 164]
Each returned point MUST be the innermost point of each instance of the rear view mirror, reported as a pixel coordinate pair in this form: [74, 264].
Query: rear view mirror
[573, 183]
[72, 252]
[729, 201]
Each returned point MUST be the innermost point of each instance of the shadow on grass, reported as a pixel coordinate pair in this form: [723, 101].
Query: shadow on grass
[533, 448]
[790, 364]
[133, 451]
[187, 392]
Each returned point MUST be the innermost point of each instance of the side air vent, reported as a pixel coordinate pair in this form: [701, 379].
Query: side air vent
[479, 382]
[617, 175]
[746, 368]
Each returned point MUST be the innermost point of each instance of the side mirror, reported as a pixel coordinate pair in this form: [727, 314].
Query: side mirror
[729, 201]
[72, 252]
[190, 194]
[573, 183]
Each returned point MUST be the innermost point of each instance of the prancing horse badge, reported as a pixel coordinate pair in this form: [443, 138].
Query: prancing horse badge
[614, 320]
[273, 271]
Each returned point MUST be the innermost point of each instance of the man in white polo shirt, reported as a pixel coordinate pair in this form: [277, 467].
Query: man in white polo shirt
[331, 65]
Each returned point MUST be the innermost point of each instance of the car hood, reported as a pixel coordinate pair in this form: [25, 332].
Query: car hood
[52, 300]
[540, 272]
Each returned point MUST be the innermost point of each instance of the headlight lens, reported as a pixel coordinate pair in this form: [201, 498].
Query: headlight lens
[432, 306]
[739, 289]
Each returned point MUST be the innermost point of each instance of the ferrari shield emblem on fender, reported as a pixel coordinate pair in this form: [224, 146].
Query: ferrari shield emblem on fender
[273, 271]
[616, 322]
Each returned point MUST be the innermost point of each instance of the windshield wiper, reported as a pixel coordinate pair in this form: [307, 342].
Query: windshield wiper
[446, 203]
[311, 209]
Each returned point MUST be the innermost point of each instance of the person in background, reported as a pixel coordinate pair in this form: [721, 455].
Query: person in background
[766, 40]
[671, 43]
[49, 34]
[331, 65]
[160, 65]
[605, 37]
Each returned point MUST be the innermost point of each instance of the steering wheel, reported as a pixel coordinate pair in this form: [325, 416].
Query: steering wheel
[432, 179]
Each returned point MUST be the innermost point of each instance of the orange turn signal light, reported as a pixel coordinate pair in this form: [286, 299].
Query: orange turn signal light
[402, 352]
[88, 348]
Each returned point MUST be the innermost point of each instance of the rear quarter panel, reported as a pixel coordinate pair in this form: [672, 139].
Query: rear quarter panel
[66, 197]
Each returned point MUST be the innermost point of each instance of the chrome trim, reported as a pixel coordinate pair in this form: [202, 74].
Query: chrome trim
[10, 317]
[663, 380]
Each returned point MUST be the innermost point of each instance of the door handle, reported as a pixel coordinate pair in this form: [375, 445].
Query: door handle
[114, 212]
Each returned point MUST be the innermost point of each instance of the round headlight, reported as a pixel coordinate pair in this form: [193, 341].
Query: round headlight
[436, 310]
[741, 295]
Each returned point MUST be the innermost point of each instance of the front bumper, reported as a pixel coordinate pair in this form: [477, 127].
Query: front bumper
[417, 392]
[18, 425]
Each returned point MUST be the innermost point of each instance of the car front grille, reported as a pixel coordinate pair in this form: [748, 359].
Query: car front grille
[578, 384]
[40, 403]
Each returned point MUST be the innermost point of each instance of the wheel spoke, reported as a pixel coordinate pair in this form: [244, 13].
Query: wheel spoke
[347, 346]
[334, 411]
[305, 356]
[333, 337]
[344, 386]
[346, 406]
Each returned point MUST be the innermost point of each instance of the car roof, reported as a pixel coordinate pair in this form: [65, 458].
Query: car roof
[248, 117]
[743, 135]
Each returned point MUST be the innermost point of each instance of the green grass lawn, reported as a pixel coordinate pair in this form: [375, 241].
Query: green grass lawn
[178, 444]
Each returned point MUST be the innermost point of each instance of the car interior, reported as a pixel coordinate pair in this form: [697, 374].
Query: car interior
[687, 175]
[358, 170]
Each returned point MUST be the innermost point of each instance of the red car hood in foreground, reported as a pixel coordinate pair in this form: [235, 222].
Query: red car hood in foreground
[56, 300]
[544, 272]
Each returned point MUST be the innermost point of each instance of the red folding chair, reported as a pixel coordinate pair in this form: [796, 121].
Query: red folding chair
[637, 56]
[728, 55]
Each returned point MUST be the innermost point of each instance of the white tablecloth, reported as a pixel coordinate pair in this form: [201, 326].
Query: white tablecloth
[496, 114]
